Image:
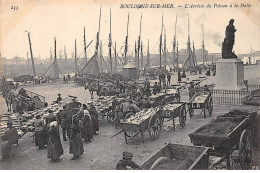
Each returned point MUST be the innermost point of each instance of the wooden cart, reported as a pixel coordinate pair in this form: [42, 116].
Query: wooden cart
[151, 121]
[202, 99]
[227, 133]
[108, 113]
[176, 156]
[173, 110]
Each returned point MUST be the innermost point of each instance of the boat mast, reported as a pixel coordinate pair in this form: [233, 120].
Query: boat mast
[174, 43]
[160, 47]
[51, 54]
[177, 54]
[148, 55]
[98, 33]
[115, 59]
[142, 57]
[164, 52]
[30, 44]
[139, 44]
[100, 54]
[56, 70]
[85, 46]
[110, 46]
[76, 59]
[126, 40]
[65, 55]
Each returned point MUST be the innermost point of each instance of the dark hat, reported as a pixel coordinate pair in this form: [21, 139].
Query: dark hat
[127, 155]
[59, 94]
[231, 21]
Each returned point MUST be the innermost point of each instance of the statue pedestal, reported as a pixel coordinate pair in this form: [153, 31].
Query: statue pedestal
[229, 74]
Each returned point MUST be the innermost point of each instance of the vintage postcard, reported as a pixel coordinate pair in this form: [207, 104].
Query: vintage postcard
[129, 85]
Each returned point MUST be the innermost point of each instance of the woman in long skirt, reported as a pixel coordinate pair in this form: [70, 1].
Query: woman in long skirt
[76, 144]
[94, 116]
[55, 149]
[40, 134]
[87, 127]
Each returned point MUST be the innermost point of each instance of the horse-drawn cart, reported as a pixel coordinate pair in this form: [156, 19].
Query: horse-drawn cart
[226, 133]
[178, 157]
[201, 99]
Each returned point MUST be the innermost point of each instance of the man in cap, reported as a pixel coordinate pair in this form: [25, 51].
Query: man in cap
[59, 98]
[126, 162]
[65, 123]
[11, 136]
[156, 88]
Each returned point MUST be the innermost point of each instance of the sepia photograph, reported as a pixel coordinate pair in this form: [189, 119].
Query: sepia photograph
[129, 85]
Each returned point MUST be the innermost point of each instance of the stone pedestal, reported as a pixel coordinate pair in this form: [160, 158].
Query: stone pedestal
[229, 74]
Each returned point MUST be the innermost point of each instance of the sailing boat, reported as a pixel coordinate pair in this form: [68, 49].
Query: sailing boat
[91, 68]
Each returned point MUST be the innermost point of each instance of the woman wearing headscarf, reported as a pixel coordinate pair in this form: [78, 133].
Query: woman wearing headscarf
[87, 126]
[76, 144]
[94, 116]
[55, 149]
[40, 134]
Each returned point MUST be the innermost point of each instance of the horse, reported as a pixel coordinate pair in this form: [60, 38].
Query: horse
[92, 87]
[8, 100]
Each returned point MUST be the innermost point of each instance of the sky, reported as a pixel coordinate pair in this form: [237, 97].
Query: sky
[66, 21]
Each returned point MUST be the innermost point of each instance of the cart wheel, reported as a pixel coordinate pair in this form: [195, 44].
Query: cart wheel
[154, 126]
[245, 149]
[129, 133]
[210, 106]
[191, 110]
[182, 116]
[110, 117]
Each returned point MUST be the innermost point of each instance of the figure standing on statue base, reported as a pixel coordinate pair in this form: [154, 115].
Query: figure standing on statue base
[227, 45]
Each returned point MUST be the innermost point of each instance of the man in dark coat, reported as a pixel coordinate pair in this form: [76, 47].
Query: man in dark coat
[40, 133]
[11, 136]
[156, 88]
[59, 98]
[168, 79]
[191, 90]
[65, 123]
[179, 76]
[127, 162]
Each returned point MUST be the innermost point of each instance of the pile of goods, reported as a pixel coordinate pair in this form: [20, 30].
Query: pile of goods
[29, 117]
[14, 119]
[171, 107]
[141, 116]
[200, 98]
[102, 104]
[24, 123]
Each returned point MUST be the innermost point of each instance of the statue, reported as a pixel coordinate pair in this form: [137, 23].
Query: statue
[227, 45]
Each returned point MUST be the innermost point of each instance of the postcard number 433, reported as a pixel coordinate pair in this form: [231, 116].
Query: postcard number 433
[14, 8]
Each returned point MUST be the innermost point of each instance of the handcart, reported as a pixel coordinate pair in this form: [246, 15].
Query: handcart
[178, 157]
[226, 133]
[173, 110]
[139, 122]
[202, 99]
